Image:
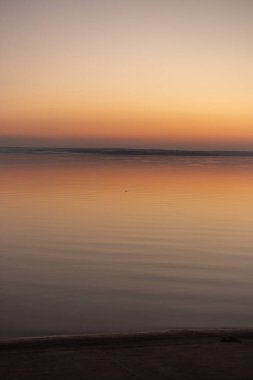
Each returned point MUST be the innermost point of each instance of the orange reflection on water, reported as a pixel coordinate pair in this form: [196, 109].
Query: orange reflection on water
[197, 188]
[102, 243]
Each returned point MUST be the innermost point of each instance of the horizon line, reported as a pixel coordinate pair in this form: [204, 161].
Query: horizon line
[125, 151]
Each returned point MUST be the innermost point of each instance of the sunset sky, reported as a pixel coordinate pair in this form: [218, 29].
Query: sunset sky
[130, 73]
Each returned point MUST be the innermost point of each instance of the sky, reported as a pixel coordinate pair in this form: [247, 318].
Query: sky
[127, 73]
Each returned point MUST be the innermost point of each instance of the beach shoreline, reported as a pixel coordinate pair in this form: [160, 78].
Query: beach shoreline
[93, 339]
[174, 354]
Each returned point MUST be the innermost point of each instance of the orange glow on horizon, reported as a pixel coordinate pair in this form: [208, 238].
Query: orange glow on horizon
[175, 75]
[176, 131]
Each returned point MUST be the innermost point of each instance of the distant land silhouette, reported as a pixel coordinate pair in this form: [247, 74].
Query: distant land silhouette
[125, 151]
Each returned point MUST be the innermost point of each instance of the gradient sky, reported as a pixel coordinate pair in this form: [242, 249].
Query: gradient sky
[137, 73]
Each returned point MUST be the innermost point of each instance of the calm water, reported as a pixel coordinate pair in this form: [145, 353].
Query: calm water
[108, 244]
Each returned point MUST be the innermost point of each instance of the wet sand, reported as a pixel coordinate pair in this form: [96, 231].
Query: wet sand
[199, 354]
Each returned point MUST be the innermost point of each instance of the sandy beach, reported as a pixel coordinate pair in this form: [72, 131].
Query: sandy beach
[199, 354]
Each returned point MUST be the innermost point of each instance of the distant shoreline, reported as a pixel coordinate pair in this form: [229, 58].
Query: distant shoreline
[125, 152]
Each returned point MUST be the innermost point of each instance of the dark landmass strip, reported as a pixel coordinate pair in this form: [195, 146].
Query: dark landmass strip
[126, 152]
[177, 355]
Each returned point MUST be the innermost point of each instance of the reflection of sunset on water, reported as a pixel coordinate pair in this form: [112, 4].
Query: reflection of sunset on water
[132, 243]
[195, 190]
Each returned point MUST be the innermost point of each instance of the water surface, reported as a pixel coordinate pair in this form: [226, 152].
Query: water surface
[93, 244]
